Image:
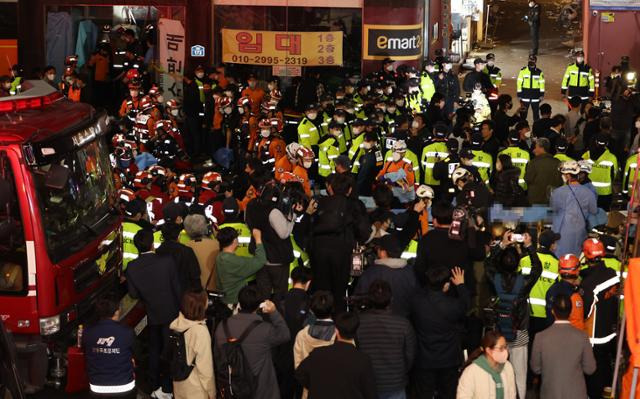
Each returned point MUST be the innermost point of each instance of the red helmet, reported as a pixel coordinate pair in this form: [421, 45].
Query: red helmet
[287, 177]
[142, 179]
[154, 91]
[305, 153]
[264, 123]
[210, 179]
[224, 102]
[187, 183]
[71, 60]
[157, 170]
[268, 106]
[146, 103]
[569, 265]
[118, 139]
[275, 95]
[173, 103]
[593, 248]
[132, 74]
[131, 145]
[243, 101]
[164, 124]
[126, 195]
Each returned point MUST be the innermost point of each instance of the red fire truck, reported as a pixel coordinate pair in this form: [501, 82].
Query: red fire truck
[60, 237]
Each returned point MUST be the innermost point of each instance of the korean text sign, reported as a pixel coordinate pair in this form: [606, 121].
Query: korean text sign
[282, 48]
[172, 49]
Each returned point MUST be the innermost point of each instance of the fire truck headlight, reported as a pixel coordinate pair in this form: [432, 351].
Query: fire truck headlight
[49, 325]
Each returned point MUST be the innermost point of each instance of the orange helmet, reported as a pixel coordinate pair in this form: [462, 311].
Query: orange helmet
[187, 183]
[173, 103]
[268, 106]
[305, 153]
[242, 101]
[275, 95]
[154, 91]
[126, 195]
[130, 144]
[210, 179]
[132, 74]
[164, 124]
[118, 139]
[157, 170]
[225, 102]
[569, 265]
[146, 103]
[264, 124]
[593, 248]
[287, 177]
[142, 179]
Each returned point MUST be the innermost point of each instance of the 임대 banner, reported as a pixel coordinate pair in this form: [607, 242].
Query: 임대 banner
[281, 48]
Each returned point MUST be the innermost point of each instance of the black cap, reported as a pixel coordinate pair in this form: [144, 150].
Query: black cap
[429, 62]
[440, 130]
[561, 144]
[311, 106]
[478, 60]
[610, 243]
[230, 206]
[251, 76]
[172, 210]
[491, 56]
[547, 238]
[359, 122]
[334, 125]
[514, 137]
[453, 145]
[533, 58]
[601, 140]
[466, 153]
[340, 112]
[476, 139]
[389, 244]
[134, 207]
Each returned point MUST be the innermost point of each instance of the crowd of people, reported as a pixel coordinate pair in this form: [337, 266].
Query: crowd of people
[332, 237]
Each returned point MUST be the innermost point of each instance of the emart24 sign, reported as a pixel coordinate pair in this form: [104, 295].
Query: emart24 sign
[398, 42]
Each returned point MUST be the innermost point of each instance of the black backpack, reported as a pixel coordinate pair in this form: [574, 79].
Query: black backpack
[176, 356]
[234, 378]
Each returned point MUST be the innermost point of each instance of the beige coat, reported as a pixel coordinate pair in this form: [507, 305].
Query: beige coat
[201, 382]
[305, 344]
[475, 383]
[206, 249]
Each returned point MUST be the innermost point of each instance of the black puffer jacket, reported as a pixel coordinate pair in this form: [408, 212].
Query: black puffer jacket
[506, 189]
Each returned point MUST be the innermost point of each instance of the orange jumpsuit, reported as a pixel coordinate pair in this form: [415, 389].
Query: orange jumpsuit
[127, 105]
[271, 148]
[302, 174]
[283, 165]
[576, 317]
[252, 121]
[391, 166]
[256, 96]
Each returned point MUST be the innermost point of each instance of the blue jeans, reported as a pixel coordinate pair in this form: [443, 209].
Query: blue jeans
[392, 395]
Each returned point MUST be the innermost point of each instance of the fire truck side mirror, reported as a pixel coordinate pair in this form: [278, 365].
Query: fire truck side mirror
[57, 177]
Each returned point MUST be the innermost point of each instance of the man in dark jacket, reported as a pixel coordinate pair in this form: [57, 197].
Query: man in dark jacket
[438, 319]
[389, 341]
[477, 76]
[185, 259]
[340, 223]
[448, 85]
[354, 377]
[370, 164]
[533, 19]
[490, 144]
[542, 174]
[154, 279]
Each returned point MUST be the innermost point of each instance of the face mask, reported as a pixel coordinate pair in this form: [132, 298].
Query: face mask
[447, 67]
[389, 68]
[241, 111]
[490, 63]
[396, 156]
[133, 93]
[340, 120]
[389, 90]
[357, 130]
[271, 86]
[415, 124]
[400, 103]
[200, 75]
[252, 84]
[430, 69]
[500, 356]
[412, 75]
[312, 115]
[637, 124]
[175, 112]
[228, 110]
[339, 97]
[391, 110]
[265, 133]
[368, 88]
[579, 60]
[307, 164]
[51, 76]
[160, 99]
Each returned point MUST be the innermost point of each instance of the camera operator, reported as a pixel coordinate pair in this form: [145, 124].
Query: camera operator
[471, 192]
[339, 224]
[512, 290]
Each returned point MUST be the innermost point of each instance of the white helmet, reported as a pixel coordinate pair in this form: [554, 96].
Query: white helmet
[585, 166]
[425, 191]
[459, 173]
[570, 167]
[292, 150]
[399, 146]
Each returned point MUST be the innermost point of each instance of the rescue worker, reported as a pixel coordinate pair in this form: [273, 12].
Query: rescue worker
[578, 79]
[414, 97]
[427, 85]
[481, 159]
[600, 286]
[271, 147]
[254, 93]
[356, 150]
[494, 72]
[135, 219]
[142, 184]
[305, 157]
[604, 169]
[569, 285]
[530, 88]
[409, 156]
[232, 219]
[519, 158]
[561, 150]
[434, 152]
[537, 297]
[399, 173]
[247, 128]
[287, 162]
[328, 150]
[130, 104]
[186, 189]
[629, 177]
[210, 196]
[443, 169]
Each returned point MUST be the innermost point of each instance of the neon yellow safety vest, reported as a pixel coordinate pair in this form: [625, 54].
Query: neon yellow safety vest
[530, 84]
[16, 86]
[415, 102]
[484, 162]
[409, 157]
[411, 251]
[431, 154]
[603, 171]
[308, 134]
[495, 74]
[327, 152]
[563, 157]
[183, 238]
[244, 237]
[538, 294]
[427, 87]
[355, 152]
[629, 173]
[574, 77]
[345, 139]
[129, 250]
[520, 159]
[200, 89]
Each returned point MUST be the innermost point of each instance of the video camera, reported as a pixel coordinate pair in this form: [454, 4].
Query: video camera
[217, 310]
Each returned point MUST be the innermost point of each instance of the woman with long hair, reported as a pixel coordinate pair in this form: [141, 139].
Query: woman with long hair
[488, 373]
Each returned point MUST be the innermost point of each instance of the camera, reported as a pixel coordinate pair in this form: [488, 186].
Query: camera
[217, 310]
[517, 237]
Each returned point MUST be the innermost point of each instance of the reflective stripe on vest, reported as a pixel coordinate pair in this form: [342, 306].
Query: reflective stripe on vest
[113, 388]
[603, 340]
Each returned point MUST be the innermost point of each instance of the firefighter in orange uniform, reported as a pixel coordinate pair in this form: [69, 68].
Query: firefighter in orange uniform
[305, 161]
[271, 146]
[399, 173]
[132, 102]
[288, 161]
[569, 285]
[254, 93]
[248, 123]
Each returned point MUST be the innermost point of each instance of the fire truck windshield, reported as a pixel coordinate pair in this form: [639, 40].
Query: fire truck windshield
[75, 192]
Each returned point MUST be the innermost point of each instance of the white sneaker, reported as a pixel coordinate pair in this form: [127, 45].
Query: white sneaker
[159, 394]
